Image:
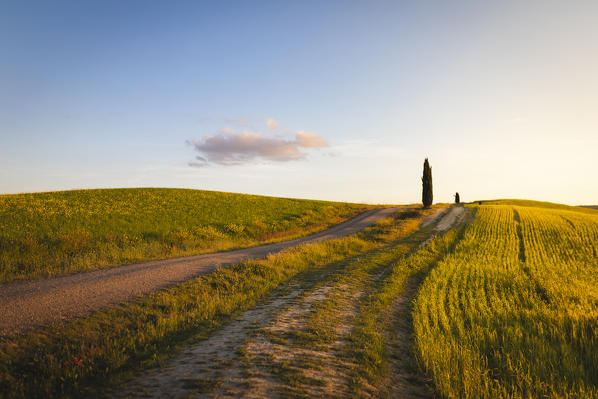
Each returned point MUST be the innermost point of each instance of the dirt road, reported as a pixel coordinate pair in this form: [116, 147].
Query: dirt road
[37, 303]
[296, 343]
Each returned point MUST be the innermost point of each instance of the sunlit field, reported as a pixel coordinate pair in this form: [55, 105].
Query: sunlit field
[503, 303]
[513, 311]
[84, 354]
[48, 234]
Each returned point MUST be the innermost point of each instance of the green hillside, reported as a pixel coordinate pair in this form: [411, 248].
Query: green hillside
[53, 233]
[502, 305]
[540, 204]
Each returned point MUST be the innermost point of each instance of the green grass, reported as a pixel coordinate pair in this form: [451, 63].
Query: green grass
[359, 275]
[368, 339]
[105, 347]
[508, 308]
[513, 311]
[201, 385]
[54, 233]
[331, 301]
[539, 204]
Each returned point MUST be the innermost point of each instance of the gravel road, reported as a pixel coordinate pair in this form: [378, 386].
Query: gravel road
[37, 303]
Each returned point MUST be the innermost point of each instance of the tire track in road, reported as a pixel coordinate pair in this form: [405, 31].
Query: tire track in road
[404, 378]
[279, 348]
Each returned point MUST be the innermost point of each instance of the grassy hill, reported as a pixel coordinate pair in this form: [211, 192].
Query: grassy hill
[512, 311]
[505, 305]
[541, 204]
[53, 233]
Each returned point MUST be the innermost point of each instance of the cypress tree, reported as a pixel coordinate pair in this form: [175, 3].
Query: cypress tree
[457, 198]
[427, 195]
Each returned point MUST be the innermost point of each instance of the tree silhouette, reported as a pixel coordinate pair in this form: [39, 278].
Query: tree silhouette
[457, 198]
[427, 195]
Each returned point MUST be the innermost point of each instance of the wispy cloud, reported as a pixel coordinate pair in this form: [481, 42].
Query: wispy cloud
[310, 140]
[272, 124]
[233, 148]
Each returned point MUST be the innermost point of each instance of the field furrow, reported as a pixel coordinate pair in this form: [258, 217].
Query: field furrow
[520, 312]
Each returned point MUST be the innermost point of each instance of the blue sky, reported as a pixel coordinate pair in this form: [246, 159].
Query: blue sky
[501, 96]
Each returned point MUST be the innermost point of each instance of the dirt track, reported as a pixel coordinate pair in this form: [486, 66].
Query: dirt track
[267, 351]
[37, 303]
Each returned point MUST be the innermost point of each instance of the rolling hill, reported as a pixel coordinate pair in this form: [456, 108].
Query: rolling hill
[490, 300]
[54, 233]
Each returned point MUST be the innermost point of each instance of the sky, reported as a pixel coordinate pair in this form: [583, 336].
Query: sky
[333, 100]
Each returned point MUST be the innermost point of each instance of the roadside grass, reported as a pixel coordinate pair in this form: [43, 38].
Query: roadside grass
[351, 280]
[202, 385]
[301, 357]
[359, 277]
[76, 357]
[368, 341]
[512, 311]
[55, 233]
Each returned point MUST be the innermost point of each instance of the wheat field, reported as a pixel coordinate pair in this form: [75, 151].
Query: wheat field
[513, 311]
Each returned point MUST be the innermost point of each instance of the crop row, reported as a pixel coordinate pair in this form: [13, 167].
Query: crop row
[512, 312]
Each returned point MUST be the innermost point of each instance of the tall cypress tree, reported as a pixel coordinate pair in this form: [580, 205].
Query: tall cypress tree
[457, 198]
[427, 195]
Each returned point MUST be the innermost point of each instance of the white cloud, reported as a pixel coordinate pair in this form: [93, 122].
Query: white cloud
[232, 148]
[272, 124]
[307, 139]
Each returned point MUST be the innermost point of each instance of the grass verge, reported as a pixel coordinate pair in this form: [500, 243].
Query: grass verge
[348, 284]
[368, 341]
[71, 358]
